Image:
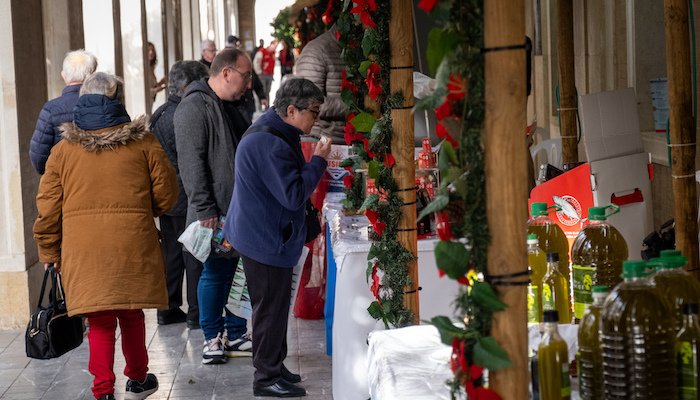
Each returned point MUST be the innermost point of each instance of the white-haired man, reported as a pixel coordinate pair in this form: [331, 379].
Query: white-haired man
[77, 66]
[208, 52]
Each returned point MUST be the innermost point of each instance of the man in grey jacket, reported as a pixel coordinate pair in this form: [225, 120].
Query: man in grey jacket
[207, 131]
[321, 63]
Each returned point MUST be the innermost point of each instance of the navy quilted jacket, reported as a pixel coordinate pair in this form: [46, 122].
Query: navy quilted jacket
[47, 132]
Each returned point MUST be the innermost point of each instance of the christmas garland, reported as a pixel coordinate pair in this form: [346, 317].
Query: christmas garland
[363, 31]
[454, 53]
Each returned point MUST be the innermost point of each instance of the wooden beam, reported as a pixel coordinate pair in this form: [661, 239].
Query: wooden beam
[567, 80]
[506, 184]
[401, 78]
[683, 135]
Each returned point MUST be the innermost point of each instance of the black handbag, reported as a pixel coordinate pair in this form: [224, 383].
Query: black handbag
[313, 225]
[51, 332]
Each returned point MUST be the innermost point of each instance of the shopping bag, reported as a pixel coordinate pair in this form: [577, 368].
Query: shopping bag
[51, 332]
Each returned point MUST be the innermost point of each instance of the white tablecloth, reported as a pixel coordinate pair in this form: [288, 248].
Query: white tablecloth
[352, 323]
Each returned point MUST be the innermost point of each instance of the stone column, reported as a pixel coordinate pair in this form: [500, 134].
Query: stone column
[22, 94]
[63, 32]
[132, 38]
[246, 20]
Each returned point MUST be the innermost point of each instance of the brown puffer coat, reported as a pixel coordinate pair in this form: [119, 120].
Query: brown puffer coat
[96, 204]
[320, 62]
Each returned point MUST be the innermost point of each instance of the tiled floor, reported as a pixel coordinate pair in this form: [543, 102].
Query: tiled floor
[175, 358]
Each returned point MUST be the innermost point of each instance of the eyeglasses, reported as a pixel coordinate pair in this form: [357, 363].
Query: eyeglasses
[314, 112]
[247, 77]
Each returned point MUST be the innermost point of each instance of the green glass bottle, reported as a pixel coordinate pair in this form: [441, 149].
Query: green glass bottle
[675, 284]
[537, 264]
[596, 257]
[687, 354]
[553, 361]
[555, 290]
[637, 339]
[590, 356]
[550, 235]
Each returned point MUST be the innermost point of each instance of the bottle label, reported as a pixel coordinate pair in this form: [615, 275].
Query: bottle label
[548, 302]
[583, 278]
[687, 360]
[565, 381]
[532, 304]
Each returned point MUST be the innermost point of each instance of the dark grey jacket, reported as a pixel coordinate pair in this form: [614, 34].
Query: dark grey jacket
[206, 142]
[320, 62]
[162, 126]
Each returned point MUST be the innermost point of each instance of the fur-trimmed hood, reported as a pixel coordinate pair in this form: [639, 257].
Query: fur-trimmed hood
[107, 138]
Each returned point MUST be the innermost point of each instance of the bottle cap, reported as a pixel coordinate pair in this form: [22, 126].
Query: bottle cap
[634, 269]
[601, 289]
[532, 238]
[670, 253]
[537, 209]
[690, 308]
[657, 264]
[552, 257]
[550, 316]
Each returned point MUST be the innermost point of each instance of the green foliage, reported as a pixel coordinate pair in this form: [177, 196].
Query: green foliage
[440, 42]
[452, 258]
[283, 30]
[489, 354]
[439, 202]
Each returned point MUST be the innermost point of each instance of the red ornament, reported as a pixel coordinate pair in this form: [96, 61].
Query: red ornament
[375, 284]
[463, 280]
[351, 135]
[363, 9]
[442, 224]
[347, 181]
[443, 111]
[441, 273]
[346, 84]
[427, 5]
[389, 160]
[337, 35]
[327, 17]
[373, 218]
[456, 88]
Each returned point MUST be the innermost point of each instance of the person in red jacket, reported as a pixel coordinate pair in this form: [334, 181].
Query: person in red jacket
[264, 66]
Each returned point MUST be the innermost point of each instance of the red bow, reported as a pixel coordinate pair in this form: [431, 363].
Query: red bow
[363, 8]
[443, 134]
[372, 81]
[375, 284]
[427, 5]
[373, 218]
[346, 84]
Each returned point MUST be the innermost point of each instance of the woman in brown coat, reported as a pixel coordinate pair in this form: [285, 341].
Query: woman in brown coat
[104, 183]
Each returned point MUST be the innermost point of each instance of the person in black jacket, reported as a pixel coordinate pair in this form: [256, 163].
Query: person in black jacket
[77, 66]
[172, 224]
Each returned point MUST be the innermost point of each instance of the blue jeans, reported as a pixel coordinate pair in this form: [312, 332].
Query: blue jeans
[212, 293]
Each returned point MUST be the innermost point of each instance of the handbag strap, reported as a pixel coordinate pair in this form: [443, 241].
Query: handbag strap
[43, 286]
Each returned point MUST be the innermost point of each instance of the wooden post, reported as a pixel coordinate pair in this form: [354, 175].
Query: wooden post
[567, 84]
[683, 135]
[506, 184]
[401, 78]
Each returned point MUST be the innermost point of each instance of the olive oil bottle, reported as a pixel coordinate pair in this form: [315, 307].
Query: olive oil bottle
[555, 290]
[675, 284]
[637, 336]
[687, 354]
[553, 361]
[596, 257]
[537, 264]
[590, 356]
[550, 235]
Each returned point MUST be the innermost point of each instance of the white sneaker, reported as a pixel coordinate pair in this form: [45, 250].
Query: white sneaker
[213, 351]
[241, 347]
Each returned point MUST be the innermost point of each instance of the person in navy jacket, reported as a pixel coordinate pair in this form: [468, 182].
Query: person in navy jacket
[77, 66]
[266, 222]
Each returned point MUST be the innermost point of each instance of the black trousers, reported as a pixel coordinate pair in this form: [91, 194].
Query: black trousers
[270, 290]
[178, 263]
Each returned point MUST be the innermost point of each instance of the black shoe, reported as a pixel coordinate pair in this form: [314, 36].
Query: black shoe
[174, 316]
[106, 397]
[290, 376]
[193, 324]
[280, 389]
[136, 390]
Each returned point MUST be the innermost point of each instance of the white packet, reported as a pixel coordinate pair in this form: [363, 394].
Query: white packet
[197, 240]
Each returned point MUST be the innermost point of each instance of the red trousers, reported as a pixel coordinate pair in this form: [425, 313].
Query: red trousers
[101, 337]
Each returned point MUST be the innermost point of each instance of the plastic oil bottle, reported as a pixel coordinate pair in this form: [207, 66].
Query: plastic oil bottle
[637, 340]
[537, 264]
[553, 361]
[550, 235]
[687, 354]
[590, 356]
[596, 257]
[675, 284]
[555, 290]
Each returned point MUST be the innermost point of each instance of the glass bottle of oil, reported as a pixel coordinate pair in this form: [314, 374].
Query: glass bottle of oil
[550, 235]
[688, 354]
[537, 264]
[555, 290]
[590, 356]
[637, 339]
[553, 361]
[675, 284]
[596, 257]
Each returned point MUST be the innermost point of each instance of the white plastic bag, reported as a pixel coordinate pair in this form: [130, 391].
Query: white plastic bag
[197, 240]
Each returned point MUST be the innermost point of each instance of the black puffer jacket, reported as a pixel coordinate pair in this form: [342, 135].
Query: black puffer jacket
[163, 127]
[320, 62]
